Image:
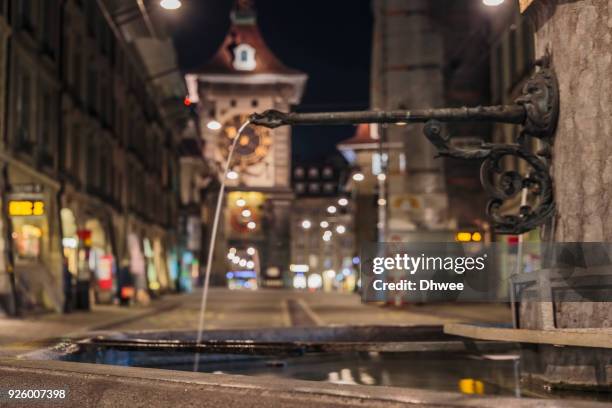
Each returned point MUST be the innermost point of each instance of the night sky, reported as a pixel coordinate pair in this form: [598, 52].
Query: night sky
[330, 40]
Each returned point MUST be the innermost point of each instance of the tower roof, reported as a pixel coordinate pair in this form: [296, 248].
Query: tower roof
[363, 136]
[244, 30]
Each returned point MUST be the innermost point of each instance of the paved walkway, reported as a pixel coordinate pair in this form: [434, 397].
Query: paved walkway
[242, 309]
[14, 331]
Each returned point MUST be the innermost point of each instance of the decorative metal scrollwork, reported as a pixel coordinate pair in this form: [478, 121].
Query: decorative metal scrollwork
[536, 110]
[503, 185]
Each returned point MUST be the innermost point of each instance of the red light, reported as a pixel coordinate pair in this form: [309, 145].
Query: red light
[127, 292]
[105, 284]
[187, 101]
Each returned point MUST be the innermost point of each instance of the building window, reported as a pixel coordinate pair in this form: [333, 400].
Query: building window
[48, 27]
[513, 56]
[244, 58]
[90, 17]
[92, 160]
[25, 15]
[314, 188]
[23, 111]
[103, 170]
[74, 150]
[77, 67]
[92, 89]
[298, 173]
[528, 45]
[499, 74]
[46, 129]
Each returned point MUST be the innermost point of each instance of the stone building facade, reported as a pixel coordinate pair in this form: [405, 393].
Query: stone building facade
[424, 57]
[89, 138]
[323, 227]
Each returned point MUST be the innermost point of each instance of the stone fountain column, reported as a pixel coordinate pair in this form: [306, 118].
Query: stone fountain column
[578, 35]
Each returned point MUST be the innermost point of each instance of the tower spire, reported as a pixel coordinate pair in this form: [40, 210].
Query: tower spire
[243, 12]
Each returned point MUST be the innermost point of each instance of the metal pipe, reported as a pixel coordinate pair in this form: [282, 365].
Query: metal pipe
[502, 114]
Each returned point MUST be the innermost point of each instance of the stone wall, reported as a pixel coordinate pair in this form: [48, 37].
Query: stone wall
[579, 36]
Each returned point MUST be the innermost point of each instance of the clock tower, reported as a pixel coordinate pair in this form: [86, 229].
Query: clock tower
[243, 77]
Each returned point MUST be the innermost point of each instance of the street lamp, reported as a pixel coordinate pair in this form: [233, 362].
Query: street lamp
[492, 3]
[213, 125]
[170, 4]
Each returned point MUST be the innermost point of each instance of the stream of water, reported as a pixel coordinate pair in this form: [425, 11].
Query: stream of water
[213, 240]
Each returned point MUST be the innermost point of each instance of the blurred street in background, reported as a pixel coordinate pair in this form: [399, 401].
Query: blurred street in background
[245, 309]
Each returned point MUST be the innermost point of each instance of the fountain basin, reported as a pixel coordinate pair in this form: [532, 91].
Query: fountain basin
[402, 357]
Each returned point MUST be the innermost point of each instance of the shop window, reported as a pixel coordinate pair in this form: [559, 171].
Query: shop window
[27, 240]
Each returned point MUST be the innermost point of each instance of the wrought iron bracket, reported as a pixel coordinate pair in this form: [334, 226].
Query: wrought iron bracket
[536, 110]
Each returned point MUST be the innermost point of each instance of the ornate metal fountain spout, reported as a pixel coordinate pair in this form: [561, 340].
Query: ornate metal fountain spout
[536, 110]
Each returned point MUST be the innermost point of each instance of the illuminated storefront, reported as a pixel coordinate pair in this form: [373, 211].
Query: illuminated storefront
[101, 262]
[70, 240]
[29, 224]
[35, 242]
[138, 268]
[151, 267]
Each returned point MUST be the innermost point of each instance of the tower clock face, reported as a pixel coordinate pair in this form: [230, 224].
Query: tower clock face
[253, 145]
